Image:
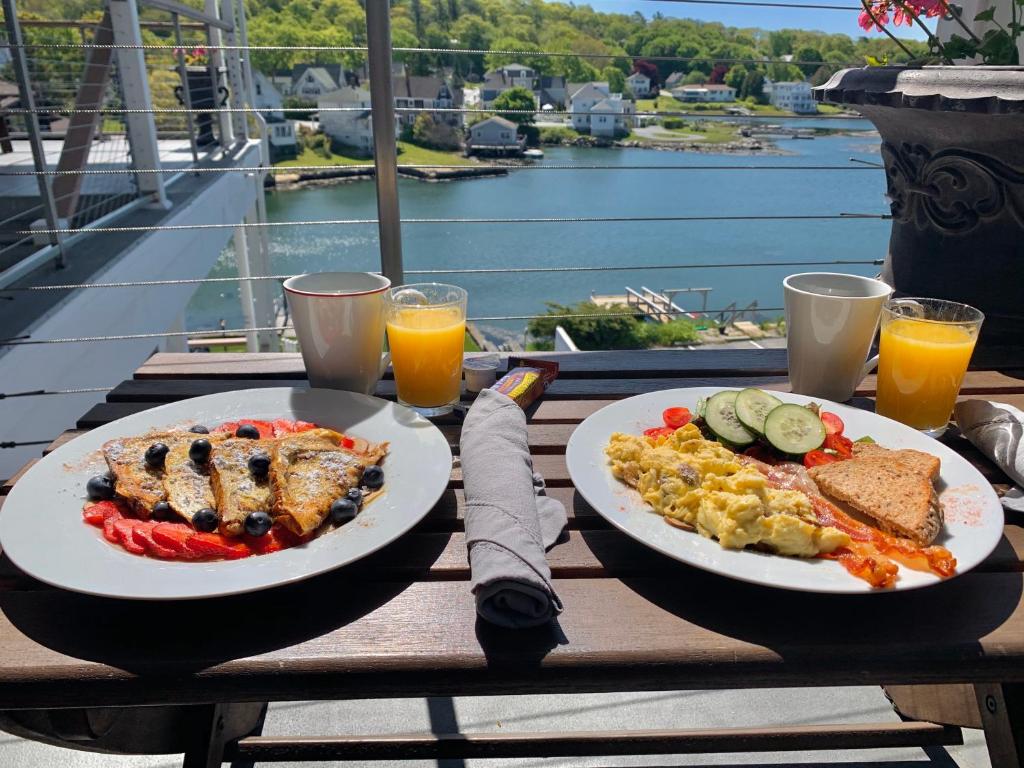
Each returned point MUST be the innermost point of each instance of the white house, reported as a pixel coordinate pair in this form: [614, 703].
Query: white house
[639, 84]
[705, 92]
[597, 111]
[495, 136]
[354, 129]
[313, 82]
[281, 137]
[791, 96]
[266, 97]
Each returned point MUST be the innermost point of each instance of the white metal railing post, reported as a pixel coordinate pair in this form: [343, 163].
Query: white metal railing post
[186, 92]
[215, 39]
[385, 152]
[237, 96]
[140, 126]
[18, 59]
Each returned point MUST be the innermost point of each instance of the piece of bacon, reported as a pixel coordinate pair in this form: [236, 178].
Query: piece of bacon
[870, 558]
[865, 563]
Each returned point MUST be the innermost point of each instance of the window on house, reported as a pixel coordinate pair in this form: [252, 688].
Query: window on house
[418, 103]
[309, 78]
[259, 91]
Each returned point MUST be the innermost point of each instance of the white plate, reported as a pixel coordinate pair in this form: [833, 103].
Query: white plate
[974, 516]
[42, 531]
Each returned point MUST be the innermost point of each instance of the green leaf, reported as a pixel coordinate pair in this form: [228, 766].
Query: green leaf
[873, 62]
[958, 47]
[988, 15]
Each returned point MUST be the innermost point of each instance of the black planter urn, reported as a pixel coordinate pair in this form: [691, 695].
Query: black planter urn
[201, 93]
[953, 148]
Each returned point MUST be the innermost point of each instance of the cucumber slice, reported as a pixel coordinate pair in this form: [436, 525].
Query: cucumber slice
[753, 406]
[794, 429]
[720, 415]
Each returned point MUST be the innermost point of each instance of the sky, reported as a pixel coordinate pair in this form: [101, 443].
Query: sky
[844, 21]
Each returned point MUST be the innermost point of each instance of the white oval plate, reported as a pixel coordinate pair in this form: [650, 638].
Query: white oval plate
[42, 531]
[974, 516]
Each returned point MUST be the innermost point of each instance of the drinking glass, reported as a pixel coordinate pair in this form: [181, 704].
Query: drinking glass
[426, 325]
[924, 348]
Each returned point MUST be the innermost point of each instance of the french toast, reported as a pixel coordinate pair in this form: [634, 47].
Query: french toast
[186, 483]
[310, 470]
[236, 489]
[899, 500]
[134, 480]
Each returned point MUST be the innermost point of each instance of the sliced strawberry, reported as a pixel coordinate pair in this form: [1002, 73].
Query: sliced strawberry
[215, 545]
[175, 536]
[227, 426]
[125, 535]
[265, 427]
[95, 514]
[142, 534]
[112, 516]
[303, 426]
[275, 540]
[283, 427]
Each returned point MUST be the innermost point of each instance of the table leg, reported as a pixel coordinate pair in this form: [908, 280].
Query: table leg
[1002, 716]
[222, 723]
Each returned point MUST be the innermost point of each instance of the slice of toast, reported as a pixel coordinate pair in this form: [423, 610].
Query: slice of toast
[916, 461]
[237, 491]
[900, 501]
[310, 470]
[186, 483]
[134, 480]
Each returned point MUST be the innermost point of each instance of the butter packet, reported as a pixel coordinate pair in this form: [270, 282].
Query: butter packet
[526, 380]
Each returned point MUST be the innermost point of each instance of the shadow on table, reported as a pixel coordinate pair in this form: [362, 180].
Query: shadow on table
[181, 637]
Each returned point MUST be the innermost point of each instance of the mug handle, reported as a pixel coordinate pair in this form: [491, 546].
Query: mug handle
[869, 366]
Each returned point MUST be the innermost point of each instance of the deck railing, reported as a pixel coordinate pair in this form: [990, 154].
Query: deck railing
[139, 110]
[97, 124]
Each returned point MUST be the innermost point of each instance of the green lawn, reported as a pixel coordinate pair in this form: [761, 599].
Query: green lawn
[471, 346]
[407, 153]
[695, 132]
[665, 103]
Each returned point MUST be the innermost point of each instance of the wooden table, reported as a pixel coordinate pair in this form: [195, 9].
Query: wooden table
[402, 622]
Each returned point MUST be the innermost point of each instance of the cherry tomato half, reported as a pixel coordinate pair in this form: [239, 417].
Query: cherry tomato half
[659, 432]
[833, 424]
[816, 458]
[841, 445]
[676, 417]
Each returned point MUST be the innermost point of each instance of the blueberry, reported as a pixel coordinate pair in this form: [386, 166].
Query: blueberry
[373, 477]
[259, 464]
[199, 429]
[258, 523]
[343, 510]
[355, 496]
[205, 520]
[249, 431]
[100, 488]
[162, 511]
[199, 451]
[156, 454]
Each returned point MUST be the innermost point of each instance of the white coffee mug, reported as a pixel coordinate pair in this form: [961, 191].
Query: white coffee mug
[339, 320]
[831, 319]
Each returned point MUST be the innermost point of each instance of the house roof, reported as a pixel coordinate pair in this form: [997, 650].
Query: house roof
[607, 105]
[638, 74]
[324, 74]
[496, 120]
[344, 95]
[422, 87]
[592, 90]
[719, 87]
[675, 79]
[514, 66]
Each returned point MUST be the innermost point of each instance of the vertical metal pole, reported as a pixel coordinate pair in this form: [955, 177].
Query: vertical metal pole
[141, 126]
[28, 102]
[385, 154]
[236, 82]
[252, 343]
[185, 90]
[216, 40]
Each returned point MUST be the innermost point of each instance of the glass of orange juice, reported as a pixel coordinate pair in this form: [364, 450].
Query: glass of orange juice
[923, 350]
[426, 325]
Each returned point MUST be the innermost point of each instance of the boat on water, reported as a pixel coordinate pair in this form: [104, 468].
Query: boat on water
[533, 153]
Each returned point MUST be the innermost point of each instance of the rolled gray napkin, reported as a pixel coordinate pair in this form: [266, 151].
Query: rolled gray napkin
[997, 430]
[509, 521]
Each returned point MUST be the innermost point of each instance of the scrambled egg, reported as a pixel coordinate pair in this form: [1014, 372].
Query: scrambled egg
[700, 482]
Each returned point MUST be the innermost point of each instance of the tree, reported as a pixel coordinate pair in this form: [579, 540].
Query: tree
[518, 99]
[648, 68]
[780, 43]
[695, 78]
[427, 132]
[753, 87]
[735, 76]
[613, 332]
[616, 80]
[822, 74]
[808, 59]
